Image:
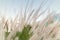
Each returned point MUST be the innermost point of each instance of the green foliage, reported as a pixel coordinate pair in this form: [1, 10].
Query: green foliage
[24, 35]
[6, 35]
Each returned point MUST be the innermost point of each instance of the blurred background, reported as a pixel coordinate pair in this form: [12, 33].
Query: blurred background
[11, 8]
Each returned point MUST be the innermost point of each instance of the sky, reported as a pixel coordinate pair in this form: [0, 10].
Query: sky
[10, 8]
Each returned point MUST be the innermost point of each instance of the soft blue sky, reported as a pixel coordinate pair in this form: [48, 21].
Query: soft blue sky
[11, 7]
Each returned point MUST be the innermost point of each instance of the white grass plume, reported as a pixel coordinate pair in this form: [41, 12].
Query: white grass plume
[39, 29]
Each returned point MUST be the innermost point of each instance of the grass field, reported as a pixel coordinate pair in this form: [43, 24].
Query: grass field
[25, 26]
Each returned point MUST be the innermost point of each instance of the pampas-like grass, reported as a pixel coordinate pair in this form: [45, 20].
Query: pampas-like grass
[20, 29]
[26, 26]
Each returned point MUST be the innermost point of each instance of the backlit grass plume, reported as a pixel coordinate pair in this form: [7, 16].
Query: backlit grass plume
[26, 26]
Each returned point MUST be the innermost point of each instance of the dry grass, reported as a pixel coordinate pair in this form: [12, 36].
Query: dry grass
[47, 29]
[40, 30]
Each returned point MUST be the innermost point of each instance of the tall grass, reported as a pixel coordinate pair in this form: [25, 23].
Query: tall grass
[26, 26]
